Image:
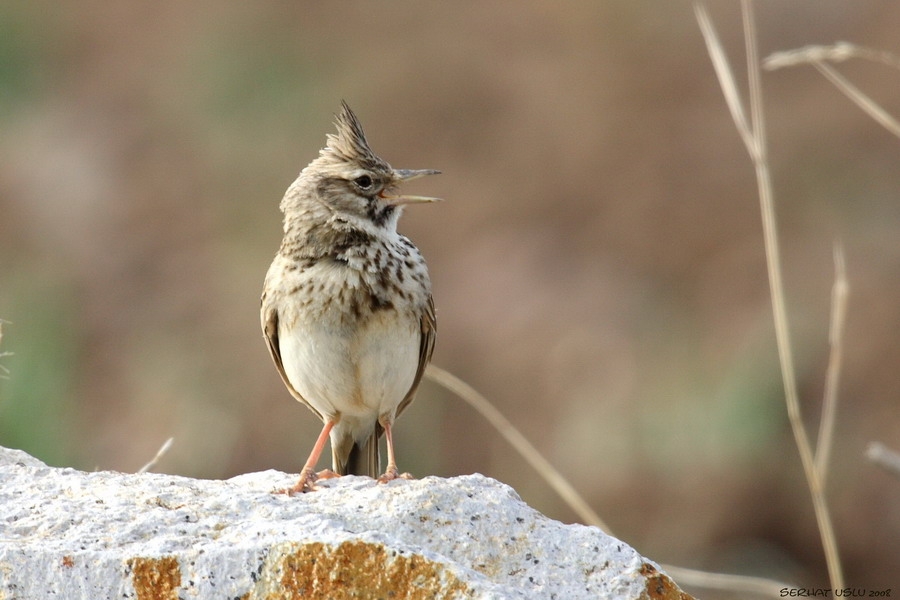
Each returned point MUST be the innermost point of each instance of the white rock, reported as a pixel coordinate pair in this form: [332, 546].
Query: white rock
[69, 534]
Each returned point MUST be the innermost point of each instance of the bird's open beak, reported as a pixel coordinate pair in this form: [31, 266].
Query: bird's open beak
[404, 175]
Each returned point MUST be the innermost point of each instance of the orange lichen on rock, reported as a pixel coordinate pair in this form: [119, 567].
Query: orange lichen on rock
[660, 586]
[156, 578]
[353, 569]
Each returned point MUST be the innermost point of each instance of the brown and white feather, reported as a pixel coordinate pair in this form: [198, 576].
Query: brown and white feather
[347, 311]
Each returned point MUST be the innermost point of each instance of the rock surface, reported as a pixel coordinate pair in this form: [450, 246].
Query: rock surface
[104, 535]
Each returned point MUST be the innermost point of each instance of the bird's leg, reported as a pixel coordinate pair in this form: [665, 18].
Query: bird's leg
[392, 472]
[308, 475]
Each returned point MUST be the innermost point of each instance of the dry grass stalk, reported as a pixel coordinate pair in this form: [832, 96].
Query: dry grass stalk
[839, 52]
[839, 292]
[4, 372]
[518, 441]
[884, 457]
[743, 584]
[754, 138]
[820, 56]
[159, 454]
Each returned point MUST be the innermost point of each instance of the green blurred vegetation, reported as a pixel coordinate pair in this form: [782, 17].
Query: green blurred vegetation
[36, 414]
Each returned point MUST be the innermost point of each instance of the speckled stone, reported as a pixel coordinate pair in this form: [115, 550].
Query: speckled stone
[105, 535]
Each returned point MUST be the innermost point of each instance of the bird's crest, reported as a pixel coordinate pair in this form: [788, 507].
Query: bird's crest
[349, 144]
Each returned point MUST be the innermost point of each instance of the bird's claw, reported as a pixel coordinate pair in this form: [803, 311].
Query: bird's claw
[307, 482]
[393, 473]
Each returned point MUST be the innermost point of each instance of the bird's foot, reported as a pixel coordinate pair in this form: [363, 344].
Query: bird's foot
[393, 473]
[307, 482]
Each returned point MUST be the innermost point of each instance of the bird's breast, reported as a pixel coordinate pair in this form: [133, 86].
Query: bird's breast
[363, 370]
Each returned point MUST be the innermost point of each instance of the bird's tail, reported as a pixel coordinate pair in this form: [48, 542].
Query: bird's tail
[363, 458]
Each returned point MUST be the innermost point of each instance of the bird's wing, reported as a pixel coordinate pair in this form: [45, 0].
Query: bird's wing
[428, 324]
[269, 318]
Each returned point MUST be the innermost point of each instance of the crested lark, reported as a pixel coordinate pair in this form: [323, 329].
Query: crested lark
[346, 306]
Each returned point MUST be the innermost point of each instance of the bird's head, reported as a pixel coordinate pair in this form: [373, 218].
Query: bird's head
[353, 183]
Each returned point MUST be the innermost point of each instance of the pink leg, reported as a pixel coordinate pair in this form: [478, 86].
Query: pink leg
[391, 472]
[308, 475]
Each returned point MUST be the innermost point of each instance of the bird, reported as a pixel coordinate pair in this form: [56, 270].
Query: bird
[347, 311]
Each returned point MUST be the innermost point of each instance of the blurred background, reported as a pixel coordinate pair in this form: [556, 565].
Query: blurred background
[598, 264]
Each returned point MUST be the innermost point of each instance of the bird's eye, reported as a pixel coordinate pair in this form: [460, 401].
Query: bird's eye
[364, 182]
